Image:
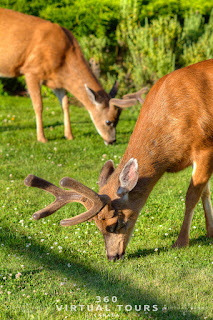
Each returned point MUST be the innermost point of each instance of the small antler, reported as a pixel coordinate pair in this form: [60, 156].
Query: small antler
[80, 193]
[98, 201]
[136, 95]
[128, 100]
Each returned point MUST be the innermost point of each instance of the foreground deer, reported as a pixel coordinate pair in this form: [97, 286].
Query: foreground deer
[49, 54]
[174, 130]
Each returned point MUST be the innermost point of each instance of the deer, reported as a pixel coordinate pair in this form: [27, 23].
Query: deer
[174, 130]
[46, 53]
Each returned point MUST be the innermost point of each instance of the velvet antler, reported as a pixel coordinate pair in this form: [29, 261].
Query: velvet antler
[79, 193]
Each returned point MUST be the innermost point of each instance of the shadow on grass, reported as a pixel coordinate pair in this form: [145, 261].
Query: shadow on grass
[146, 252]
[33, 125]
[98, 283]
[203, 240]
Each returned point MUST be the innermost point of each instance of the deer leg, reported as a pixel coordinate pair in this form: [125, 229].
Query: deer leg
[34, 89]
[201, 174]
[207, 206]
[62, 97]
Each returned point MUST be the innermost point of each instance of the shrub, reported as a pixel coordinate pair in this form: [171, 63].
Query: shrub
[160, 46]
[197, 39]
[149, 50]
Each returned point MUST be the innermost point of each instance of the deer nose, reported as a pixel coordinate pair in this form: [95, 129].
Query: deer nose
[109, 142]
[116, 257]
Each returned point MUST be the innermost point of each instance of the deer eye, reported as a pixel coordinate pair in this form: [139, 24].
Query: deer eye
[108, 122]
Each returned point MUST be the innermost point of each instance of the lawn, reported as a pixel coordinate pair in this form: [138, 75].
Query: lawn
[53, 272]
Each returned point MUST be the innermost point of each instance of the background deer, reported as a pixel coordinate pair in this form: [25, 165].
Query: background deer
[48, 54]
[174, 130]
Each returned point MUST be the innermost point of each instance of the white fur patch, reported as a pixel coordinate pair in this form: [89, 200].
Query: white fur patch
[194, 168]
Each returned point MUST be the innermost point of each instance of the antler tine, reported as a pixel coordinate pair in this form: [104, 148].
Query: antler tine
[128, 100]
[122, 103]
[62, 196]
[99, 201]
[136, 95]
[80, 188]
[33, 181]
[50, 209]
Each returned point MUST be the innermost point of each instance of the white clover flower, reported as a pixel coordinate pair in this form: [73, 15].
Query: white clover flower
[17, 276]
[164, 309]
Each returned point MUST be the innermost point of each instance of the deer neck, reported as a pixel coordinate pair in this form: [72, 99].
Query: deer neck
[78, 75]
[150, 167]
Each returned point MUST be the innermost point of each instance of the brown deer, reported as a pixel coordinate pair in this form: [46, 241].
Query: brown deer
[48, 54]
[174, 130]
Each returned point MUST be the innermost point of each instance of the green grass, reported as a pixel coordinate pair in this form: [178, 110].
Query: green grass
[47, 271]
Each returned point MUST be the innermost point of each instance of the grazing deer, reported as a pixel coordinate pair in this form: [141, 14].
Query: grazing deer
[48, 54]
[174, 130]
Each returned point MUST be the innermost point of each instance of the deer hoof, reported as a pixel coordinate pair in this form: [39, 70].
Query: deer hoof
[69, 137]
[180, 243]
[43, 140]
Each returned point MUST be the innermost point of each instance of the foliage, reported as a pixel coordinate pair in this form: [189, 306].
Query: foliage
[197, 39]
[149, 49]
[134, 41]
[101, 20]
[44, 265]
[160, 46]
[156, 8]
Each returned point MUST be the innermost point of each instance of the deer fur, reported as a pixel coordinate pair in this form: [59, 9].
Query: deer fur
[48, 54]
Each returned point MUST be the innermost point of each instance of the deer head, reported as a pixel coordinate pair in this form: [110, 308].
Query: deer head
[107, 110]
[111, 209]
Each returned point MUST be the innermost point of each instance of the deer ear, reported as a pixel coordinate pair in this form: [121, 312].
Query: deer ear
[93, 97]
[105, 173]
[114, 90]
[128, 177]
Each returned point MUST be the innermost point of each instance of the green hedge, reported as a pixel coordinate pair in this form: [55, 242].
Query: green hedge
[136, 41]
